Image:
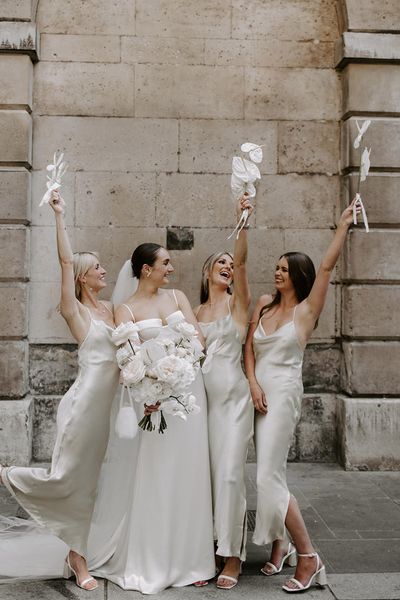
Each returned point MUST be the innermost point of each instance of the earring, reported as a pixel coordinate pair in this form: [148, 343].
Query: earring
[148, 274]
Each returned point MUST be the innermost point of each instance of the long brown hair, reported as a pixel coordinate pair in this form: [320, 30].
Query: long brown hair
[302, 275]
[205, 273]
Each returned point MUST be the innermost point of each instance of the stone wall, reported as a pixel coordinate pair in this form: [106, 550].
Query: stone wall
[149, 101]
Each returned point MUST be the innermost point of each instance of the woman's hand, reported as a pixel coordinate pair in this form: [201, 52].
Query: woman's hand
[346, 218]
[151, 408]
[56, 202]
[243, 203]
[259, 399]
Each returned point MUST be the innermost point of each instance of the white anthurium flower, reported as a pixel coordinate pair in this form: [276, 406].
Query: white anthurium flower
[361, 131]
[245, 169]
[254, 151]
[365, 164]
[57, 169]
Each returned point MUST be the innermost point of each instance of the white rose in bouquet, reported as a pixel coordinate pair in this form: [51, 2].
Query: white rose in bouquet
[125, 332]
[152, 351]
[185, 328]
[134, 371]
[175, 371]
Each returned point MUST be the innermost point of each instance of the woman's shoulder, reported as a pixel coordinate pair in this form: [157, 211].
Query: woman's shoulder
[264, 299]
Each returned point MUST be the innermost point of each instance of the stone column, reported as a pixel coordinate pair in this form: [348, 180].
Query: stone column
[368, 56]
[17, 52]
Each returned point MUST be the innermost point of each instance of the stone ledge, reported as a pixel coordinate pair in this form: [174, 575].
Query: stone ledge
[368, 432]
[19, 37]
[371, 368]
[366, 47]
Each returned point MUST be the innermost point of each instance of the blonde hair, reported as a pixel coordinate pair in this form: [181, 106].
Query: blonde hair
[83, 261]
[207, 268]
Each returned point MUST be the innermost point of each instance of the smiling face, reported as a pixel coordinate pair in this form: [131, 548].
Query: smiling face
[159, 272]
[94, 278]
[221, 272]
[282, 277]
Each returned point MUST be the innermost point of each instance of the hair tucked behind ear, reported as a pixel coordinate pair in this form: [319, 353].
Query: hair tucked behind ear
[83, 261]
[145, 254]
[205, 273]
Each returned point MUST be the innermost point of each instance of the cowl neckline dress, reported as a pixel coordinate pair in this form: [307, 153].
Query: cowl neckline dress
[278, 370]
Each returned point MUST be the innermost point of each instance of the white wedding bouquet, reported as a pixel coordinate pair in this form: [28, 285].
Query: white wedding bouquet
[160, 369]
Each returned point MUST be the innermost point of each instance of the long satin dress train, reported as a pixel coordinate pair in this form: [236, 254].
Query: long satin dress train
[230, 427]
[62, 497]
[279, 359]
[166, 538]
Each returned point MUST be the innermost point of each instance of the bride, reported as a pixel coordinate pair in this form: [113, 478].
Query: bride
[167, 536]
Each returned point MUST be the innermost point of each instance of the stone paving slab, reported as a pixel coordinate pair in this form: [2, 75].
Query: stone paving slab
[371, 586]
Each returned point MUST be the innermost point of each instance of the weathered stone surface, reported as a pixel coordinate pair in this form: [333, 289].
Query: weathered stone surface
[16, 136]
[84, 89]
[306, 94]
[19, 38]
[14, 248]
[14, 194]
[16, 78]
[44, 258]
[203, 200]
[294, 201]
[209, 145]
[16, 9]
[13, 301]
[316, 437]
[380, 195]
[313, 242]
[16, 418]
[124, 199]
[366, 46]
[180, 238]
[371, 368]
[371, 88]
[371, 311]
[306, 147]
[80, 48]
[368, 430]
[191, 19]
[13, 369]
[165, 50]
[46, 325]
[373, 15]
[372, 256]
[284, 19]
[269, 53]
[96, 144]
[90, 17]
[52, 368]
[382, 136]
[43, 216]
[188, 91]
[44, 427]
[321, 368]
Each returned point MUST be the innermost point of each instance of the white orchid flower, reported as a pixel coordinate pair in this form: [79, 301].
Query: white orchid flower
[361, 131]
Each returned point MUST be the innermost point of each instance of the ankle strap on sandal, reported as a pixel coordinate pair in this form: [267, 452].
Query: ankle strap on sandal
[310, 555]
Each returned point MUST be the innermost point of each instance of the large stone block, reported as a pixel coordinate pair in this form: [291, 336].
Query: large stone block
[188, 19]
[189, 199]
[16, 79]
[189, 91]
[292, 94]
[97, 144]
[371, 88]
[44, 263]
[90, 17]
[316, 437]
[369, 430]
[13, 300]
[16, 9]
[380, 196]
[209, 145]
[16, 419]
[14, 251]
[52, 368]
[269, 53]
[165, 50]
[294, 201]
[370, 311]
[382, 136]
[306, 147]
[44, 427]
[353, 47]
[284, 19]
[84, 89]
[13, 369]
[321, 368]
[372, 256]
[43, 216]
[80, 48]
[373, 15]
[371, 368]
[46, 325]
[14, 196]
[116, 199]
[16, 137]
[313, 242]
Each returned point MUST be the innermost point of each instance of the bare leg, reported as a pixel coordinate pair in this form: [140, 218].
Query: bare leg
[79, 565]
[231, 569]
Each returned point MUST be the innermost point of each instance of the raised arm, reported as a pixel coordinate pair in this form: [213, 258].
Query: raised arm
[241, 295]
[257, 394]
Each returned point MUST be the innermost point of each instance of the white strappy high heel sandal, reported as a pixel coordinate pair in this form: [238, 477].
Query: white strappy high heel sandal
[317, 578]
[233, 580]
[290, 558]
[69, 571]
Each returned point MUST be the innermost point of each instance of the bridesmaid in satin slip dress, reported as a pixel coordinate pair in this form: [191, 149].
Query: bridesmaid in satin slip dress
[62, 497]
[279, 331]
[223, 319]
[167, 538]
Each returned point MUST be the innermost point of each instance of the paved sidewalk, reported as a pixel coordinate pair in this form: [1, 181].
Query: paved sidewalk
[353, 519]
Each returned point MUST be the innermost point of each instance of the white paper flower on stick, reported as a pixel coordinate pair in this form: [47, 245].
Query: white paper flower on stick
[361, 131]
[365, 164]
[57, 169]
[254, 150]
